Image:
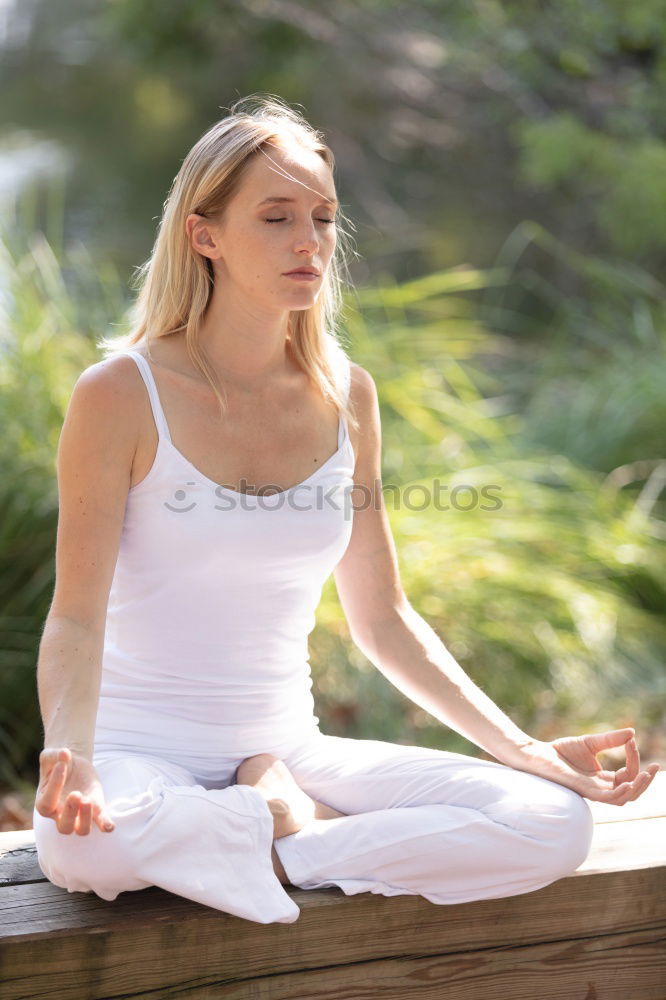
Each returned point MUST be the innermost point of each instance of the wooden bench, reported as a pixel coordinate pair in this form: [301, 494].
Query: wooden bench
[598, 934]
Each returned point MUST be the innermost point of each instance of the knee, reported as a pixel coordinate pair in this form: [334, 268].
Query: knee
[580, 830]
[555, 824]
[103, 863]
[567, 831]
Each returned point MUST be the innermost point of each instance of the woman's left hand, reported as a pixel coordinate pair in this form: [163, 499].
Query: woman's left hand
[572, 761]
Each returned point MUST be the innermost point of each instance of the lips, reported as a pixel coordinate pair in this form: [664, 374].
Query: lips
[303, 270]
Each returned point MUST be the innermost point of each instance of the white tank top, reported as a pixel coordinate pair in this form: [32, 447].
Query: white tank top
[212, 600]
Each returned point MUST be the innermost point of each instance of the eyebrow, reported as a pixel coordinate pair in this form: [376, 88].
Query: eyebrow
[276, 199]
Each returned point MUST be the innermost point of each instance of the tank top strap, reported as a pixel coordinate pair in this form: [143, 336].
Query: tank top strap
[151, 386]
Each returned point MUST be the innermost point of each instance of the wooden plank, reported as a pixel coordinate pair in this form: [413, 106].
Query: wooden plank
[626, 966]
[631, 966]
[154, 940]
[30, 910]
[626, 847]
[18, 858]
[612, 968]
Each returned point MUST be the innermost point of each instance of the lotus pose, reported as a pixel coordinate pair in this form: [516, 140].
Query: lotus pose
[219, 463]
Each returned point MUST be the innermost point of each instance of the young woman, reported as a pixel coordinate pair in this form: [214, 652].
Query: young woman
[213, 470]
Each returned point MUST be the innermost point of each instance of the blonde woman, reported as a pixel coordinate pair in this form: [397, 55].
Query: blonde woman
[214, 469]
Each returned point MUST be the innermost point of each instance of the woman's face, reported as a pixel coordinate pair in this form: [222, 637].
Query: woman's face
[273, 225]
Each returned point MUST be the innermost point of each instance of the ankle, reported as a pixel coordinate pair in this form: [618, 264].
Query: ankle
[278, 867]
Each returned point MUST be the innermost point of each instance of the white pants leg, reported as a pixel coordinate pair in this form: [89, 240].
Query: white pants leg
[420, 821]
[426, 822]
[212, 845]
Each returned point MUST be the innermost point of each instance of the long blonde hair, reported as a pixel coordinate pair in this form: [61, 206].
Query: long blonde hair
[175, 283]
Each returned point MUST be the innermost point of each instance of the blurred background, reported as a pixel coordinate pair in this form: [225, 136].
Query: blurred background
[504, 166]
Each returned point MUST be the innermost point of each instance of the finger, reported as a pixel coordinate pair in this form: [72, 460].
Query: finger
[627, 791]
[639, 788]
[47, 761]
[609, 776]
[646, 777]
[615, 796]
[633, 758]
[624, 798]
[621, 776]
[639, 785]
[69, 813]
[103, 821]
[63, 756]
[83, 824]
[51, 790]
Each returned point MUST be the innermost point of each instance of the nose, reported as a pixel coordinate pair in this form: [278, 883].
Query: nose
[307, 239]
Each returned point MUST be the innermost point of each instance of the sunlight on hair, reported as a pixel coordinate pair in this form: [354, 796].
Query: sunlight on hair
[175, 284]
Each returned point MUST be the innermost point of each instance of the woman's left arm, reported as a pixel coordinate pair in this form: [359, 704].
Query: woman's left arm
[401, 644]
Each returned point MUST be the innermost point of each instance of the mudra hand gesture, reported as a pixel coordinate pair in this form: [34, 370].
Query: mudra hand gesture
[70, 793]
[572, 761]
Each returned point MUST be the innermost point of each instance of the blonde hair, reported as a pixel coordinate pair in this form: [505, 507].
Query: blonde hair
[175, 283]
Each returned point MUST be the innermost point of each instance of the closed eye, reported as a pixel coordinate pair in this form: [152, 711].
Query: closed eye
[330, 222]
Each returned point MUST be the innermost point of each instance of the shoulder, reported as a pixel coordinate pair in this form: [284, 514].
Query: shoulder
[112, 379]
[111, 389]
[367, 437]
[362, 383]
[363, 395]
[356, 382]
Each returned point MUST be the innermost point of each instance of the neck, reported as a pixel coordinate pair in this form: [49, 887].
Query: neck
[246, 345]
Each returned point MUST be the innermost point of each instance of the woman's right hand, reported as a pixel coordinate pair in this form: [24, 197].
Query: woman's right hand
[70, 792]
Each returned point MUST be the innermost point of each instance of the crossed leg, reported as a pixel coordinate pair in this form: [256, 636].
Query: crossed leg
[415, 821]
[212, 845]
[292, 808]
[419, 821]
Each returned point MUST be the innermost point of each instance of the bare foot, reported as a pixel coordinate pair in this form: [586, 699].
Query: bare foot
[289, 804]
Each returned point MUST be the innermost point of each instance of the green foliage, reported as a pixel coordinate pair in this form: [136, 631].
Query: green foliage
[43, 348]
[451, 122]
[622, 185]
[558, 149]
[595, 389]
[553, 599]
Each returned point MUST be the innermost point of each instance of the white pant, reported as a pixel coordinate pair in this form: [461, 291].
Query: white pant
[419, 821]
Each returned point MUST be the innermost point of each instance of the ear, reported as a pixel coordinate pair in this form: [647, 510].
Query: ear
[203, 236]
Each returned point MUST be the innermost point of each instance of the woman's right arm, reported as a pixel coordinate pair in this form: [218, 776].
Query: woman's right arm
[95, 454]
